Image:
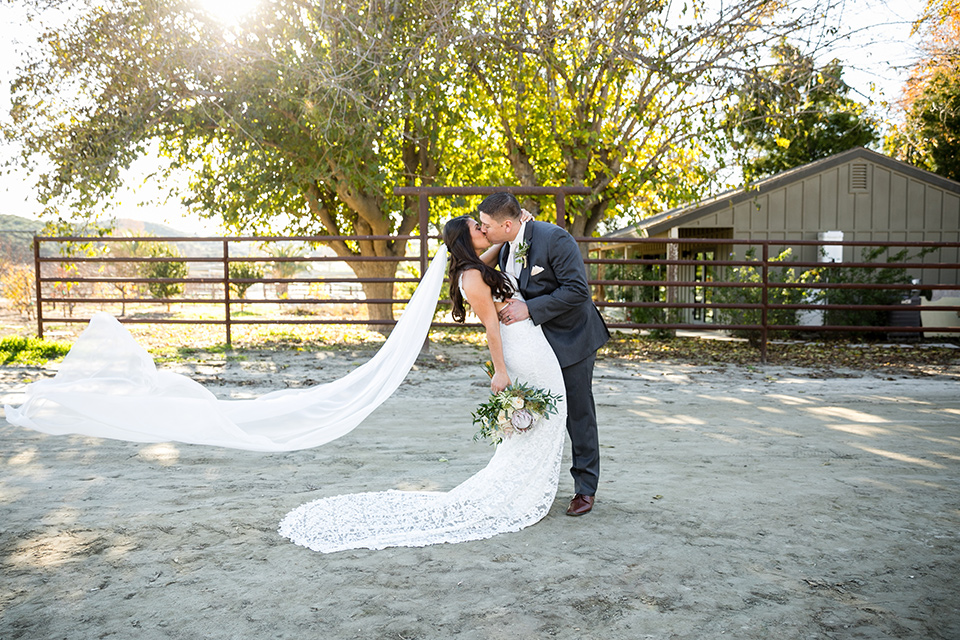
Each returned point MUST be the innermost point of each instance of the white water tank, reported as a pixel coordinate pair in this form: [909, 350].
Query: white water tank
[826, 253]
[830, 252]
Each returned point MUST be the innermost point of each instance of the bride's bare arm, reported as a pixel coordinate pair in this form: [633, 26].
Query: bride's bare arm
[481, 301]
[489, 257]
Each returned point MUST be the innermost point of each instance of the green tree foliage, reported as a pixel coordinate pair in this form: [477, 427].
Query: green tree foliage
[792, 113]
[753, 295]
[929, 136]
[301, 120]
[66, 267]
[794, 295]
[160, 272]
[242, 275]
[619, 96]
[631, 293]
[870, 276]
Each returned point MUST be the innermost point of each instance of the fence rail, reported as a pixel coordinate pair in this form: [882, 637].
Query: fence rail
[77, 277]
[903, 314]
[684, 295]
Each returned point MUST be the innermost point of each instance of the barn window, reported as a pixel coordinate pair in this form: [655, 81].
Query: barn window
[858, 178]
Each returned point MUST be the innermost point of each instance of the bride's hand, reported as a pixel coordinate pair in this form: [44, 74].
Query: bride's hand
[525, 216]
[499, 382]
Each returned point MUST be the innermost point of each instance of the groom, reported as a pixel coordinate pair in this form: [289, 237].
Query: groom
[553, 281]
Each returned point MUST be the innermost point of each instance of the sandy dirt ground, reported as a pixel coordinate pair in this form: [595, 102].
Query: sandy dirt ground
[736, 502]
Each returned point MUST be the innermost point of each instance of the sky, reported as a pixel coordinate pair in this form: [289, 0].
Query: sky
[876, 54]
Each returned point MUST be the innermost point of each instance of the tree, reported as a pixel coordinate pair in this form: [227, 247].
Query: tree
[792, 113]
[620, 96]
[164, 270]
[929, 136]
[750, 275]
[124, 271]
[286, 265]
[18, 286]
[242, 277]
[301, 120]
[67, 269]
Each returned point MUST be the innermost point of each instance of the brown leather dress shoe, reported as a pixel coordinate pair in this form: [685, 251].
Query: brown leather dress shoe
[580, 505]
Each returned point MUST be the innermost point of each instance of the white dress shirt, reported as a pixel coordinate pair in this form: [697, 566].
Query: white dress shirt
[513, 265]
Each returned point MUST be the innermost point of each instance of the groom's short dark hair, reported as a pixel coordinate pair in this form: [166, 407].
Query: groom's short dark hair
[500, 206]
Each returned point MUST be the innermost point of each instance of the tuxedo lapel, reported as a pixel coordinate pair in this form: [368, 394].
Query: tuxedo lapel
[504, 256]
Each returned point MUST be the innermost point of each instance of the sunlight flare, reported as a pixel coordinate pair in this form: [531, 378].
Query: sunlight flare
[229, 12]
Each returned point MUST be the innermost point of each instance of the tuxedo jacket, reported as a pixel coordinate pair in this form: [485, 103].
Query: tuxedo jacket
[553, 283]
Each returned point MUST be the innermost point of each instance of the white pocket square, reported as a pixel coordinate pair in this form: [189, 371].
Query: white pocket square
[537, 269]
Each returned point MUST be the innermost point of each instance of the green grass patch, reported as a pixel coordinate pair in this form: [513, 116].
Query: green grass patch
[29, 350]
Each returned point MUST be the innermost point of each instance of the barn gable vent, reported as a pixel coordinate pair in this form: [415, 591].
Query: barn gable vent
[858, 178]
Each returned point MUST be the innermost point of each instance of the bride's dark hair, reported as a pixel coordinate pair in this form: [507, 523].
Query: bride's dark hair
[463, 256]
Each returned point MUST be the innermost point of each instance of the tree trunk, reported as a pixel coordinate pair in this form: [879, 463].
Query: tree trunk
[377, 311]
[369, 221]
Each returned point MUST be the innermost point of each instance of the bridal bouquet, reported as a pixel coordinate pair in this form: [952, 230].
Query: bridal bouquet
[516, 409]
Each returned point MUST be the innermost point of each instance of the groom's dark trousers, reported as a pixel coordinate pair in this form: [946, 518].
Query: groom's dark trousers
[554, 284]
[582, 425]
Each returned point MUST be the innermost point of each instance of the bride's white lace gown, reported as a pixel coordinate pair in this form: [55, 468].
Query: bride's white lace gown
[109, 387]
[513, 491]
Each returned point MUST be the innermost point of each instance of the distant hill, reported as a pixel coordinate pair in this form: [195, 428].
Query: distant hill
[16, 223]
[16, 238]
[125, 226]
[149, 228]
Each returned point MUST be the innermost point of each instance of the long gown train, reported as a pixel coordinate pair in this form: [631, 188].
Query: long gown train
[109, 387]
[513, 491]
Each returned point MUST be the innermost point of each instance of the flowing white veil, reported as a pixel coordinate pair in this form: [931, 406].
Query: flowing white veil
[109, 387]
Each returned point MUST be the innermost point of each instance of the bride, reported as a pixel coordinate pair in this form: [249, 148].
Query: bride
[517, 487]
[108, 386]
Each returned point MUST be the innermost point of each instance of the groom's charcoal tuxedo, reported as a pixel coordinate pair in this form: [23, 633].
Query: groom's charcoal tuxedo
[559, 301]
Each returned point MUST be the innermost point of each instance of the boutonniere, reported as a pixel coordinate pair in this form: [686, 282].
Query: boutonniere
[521, 253]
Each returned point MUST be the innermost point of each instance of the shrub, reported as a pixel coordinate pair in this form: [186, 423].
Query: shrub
[244, 271]
[754, 295]
[164, 271]
[29, 350]
[17, 285]
[641, 315]
[864, 275]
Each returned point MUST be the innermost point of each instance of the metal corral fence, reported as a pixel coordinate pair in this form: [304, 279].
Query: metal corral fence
[757, 295]
[67, 279]
[79, 271]
[748, 288]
